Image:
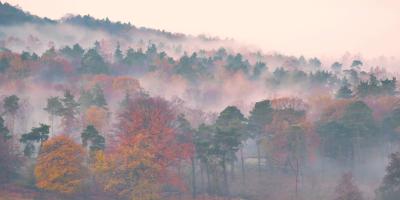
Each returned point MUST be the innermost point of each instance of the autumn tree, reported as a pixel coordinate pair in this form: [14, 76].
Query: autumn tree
[60, 166]
[347, 190]
[96, 116]
[144, 152]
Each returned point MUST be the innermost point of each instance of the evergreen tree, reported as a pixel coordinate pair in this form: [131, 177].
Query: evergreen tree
[118, 57]
[4, 132]
[69, 112]
[390, 187]
[92, 136]
[260, 116]
[93, 63]
[98, 96]
[54, 108]
[228, 138]
[38, 135]
[344, 93]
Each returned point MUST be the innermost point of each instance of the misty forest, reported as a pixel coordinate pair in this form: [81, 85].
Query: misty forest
[96, 109]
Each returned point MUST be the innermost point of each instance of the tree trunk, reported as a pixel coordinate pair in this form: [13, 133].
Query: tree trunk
[208, 178]
[258, 158]
[242, 164]
[193, 178]
[226, 187]
[201, 177]
[52, 124]
[297, 178]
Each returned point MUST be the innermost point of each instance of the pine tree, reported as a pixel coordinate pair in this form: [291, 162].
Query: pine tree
[37, 134]
[98, 97]
[390, 188]
[69, 112]
[54, 108]
[118, 57]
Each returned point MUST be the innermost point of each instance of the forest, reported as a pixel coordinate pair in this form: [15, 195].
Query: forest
[144, 114]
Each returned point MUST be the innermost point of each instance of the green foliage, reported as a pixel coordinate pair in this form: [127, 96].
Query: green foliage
[344, 93]
[4, 64]
[118, 56]
[69, 112]
[336, 67]
[260, 116]
[315, 63]
[259, 68]
[4, 132]
[92, 136]
[375, 87]
[237, 63]
[93, 63]
[37, 135]
[93, 97]
[10, 104]
[356, 64]
[229, 131]
[390, 187]
[54, 106]
[356, 127]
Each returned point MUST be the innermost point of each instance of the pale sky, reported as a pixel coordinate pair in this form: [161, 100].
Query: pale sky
[296, 27]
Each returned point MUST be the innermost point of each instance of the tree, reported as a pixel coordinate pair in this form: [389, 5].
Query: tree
[344, 92]
[347, 190]
[37, 134]
[4, 132]
[60, 166]
[93, 63]
[336, 67]
[118, 57]
[145, 150]
[356, 64]
[390, 187]
[185, 134]
[10, 106]
[98, 96]
[54, 108]
[97, 116]
[259, 68]
[260, 116]
[8, 161]
[345, 137]
[69, 112]
[92, 136]
[229, 129]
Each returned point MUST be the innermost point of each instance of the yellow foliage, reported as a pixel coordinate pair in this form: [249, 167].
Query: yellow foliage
[60, 166]
[130, 171]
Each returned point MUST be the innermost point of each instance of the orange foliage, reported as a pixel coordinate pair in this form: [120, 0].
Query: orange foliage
[126, 84]
[96, 116]
[60, 165]
[147, 148]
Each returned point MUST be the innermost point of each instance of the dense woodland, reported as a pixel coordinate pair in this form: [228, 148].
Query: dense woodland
[148, 121]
